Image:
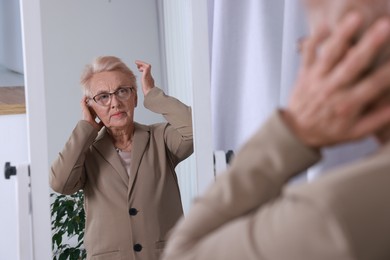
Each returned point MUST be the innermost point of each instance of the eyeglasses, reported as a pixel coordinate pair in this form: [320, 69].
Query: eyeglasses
[104, 99]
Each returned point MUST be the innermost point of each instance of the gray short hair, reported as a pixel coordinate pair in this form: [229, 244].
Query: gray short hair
[101, 64]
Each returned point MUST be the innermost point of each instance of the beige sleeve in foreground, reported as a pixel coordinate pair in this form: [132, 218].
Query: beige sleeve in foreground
[257, 175]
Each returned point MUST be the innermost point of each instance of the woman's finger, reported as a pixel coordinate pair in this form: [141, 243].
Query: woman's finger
[372, 122]
[361, 57]
[141, 65]
[338, 43]
[368, 91]
[310, 45]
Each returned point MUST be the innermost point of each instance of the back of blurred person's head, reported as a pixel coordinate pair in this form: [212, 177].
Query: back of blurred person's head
[331, 12]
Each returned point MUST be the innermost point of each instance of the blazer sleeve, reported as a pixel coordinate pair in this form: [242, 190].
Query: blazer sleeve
[255, 178]
[178, 133]
[67, 173]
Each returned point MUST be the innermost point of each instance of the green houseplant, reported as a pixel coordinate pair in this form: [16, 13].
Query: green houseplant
[68, 223]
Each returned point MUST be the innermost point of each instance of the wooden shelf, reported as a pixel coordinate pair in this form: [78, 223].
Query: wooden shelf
[12, 100]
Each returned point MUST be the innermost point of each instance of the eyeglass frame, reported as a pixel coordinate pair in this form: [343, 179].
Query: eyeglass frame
[110, 95]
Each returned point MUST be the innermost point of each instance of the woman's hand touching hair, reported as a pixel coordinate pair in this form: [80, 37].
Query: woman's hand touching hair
[147, 80]
[335, 86]
[89, 114]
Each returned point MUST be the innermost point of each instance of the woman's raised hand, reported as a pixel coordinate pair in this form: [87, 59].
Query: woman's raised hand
[337, 86]
[147, 80]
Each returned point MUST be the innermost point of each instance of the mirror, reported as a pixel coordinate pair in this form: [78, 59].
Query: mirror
[75, 32]
[59, 38]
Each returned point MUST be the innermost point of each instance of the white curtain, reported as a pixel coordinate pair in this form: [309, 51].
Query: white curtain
[254, 62]
[175, 25]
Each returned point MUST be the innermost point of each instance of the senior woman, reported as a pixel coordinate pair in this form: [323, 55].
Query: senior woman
[125, 169]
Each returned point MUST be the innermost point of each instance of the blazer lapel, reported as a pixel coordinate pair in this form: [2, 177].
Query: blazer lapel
[140, 141]
[106, 148]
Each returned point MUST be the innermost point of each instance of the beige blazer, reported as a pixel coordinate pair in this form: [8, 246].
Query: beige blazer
[251, 212]
[128, 217]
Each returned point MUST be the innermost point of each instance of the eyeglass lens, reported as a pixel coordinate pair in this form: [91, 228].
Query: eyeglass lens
[105, 98]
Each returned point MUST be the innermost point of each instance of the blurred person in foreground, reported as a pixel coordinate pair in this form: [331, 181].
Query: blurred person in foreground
[125, 169]
[341, 94]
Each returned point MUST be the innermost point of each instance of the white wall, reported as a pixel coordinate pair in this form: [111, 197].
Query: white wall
[13, 148]
[75, 32]
[10, 36]
[11, 59]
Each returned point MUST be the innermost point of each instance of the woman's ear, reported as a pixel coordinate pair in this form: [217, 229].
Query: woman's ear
[135, 98]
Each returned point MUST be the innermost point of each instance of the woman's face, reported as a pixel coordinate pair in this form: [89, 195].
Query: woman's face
[118, 113]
